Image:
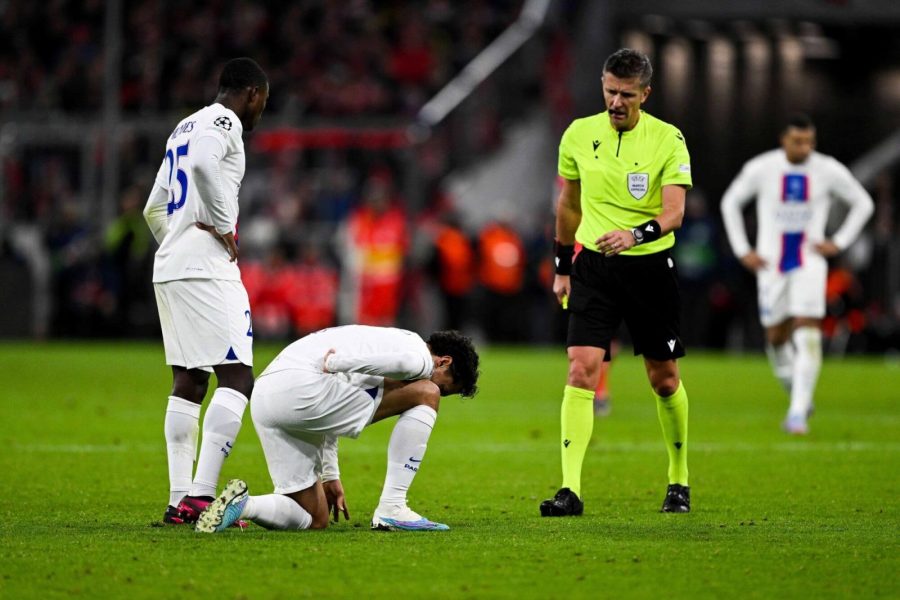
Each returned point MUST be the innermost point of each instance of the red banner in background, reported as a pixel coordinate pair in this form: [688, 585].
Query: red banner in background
[284, 139]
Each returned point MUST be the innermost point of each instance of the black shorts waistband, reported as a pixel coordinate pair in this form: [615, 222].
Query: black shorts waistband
[624, 258]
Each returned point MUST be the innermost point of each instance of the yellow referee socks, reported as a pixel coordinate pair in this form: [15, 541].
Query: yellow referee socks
[577, 426]
[673, 416]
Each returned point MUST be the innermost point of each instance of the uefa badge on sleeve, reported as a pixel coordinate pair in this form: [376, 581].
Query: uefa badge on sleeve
[223, 122]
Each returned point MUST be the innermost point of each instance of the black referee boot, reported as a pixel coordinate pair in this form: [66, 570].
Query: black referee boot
[678, 499]
[564, 504]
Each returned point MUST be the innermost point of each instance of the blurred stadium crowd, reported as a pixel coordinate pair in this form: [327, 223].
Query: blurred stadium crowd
[342, 218]
[324, 58]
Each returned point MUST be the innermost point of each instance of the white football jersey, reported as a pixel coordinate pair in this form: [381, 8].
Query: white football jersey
[364, 354]
[209, 139]
[792, 203]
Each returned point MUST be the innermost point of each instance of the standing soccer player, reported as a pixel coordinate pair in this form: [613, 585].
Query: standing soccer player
[625, 174]
[333, 383]
[203, 307]
[794, 186]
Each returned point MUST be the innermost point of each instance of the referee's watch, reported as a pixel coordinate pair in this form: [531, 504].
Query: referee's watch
[647, 232]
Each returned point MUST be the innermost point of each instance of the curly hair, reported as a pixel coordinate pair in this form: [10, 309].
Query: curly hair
[240, 73]
[464, 367]
[626, 63]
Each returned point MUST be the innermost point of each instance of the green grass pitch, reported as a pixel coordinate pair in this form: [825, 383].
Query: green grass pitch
[774, 516]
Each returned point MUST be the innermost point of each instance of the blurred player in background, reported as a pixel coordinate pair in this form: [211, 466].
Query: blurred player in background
[625, 178]
[203, 307]
[335, 383]
[794, 187]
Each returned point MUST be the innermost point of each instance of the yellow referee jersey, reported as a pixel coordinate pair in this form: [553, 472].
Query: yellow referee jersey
[622, 174]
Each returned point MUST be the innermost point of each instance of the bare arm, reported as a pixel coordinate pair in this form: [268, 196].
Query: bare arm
[568, 218]
[672, 213]
[568, 211]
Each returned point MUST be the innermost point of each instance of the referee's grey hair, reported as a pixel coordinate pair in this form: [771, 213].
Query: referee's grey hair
[626, 63]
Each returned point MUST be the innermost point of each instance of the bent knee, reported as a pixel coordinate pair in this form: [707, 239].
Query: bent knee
[191, 385]
[244, 384]
[583, 375]
[432, 397]
[666, 387]
[319, 515]
[427, 393]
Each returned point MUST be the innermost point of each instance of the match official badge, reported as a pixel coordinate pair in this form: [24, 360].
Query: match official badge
[638, 184]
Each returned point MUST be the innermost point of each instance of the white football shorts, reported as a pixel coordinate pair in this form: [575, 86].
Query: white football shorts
[797, 293]
[293, 409]
[205, 322]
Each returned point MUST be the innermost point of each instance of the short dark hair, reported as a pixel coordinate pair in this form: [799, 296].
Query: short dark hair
[240, 73]
[799, 121]
[464, 367]
[626, 63]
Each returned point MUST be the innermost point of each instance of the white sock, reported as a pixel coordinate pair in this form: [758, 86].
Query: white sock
[405, 452]
[221, 424]
[807, 363]
[275, 511]
[181, 428]
[781, 359]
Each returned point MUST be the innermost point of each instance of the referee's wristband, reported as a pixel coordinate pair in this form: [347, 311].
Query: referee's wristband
[563, 254]
[648, 232]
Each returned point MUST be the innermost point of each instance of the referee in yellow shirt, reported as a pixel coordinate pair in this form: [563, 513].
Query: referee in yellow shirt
[625, 174]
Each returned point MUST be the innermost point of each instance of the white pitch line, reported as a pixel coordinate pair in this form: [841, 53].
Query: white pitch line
[87, 448]
[798, 446]
[504, 447]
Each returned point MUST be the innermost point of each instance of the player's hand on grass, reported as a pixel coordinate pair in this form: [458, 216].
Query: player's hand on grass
[615, 242]
[827, 248]
[337, 503]
[753, 262]
[227, 240]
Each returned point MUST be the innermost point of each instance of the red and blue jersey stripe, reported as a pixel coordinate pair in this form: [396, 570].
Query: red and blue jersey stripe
[794, 188]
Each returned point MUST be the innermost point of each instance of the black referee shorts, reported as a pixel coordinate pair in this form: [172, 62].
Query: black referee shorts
[642, 290]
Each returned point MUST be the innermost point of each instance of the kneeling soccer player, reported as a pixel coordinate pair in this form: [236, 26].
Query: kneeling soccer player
[334, 383]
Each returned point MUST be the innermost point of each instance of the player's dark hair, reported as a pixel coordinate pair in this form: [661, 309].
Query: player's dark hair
[799, 121]
[626, 63]
[240, 73]
[464, 367]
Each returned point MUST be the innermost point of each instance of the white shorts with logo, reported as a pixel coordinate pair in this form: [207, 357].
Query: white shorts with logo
[294, 409]
[205, 322]
[797, 293]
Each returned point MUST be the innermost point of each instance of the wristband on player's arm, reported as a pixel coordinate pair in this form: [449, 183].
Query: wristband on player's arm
[564, 254]
[645, 233]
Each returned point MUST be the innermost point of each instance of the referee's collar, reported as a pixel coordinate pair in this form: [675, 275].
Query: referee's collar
[626, 132]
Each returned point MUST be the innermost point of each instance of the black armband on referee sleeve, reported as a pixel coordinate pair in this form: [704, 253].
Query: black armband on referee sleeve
[645, 233]
[563, 254]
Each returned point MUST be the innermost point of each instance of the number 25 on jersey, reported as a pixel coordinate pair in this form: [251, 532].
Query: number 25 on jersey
[180, 174]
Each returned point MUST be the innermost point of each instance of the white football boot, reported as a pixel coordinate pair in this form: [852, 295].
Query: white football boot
[403, 518]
